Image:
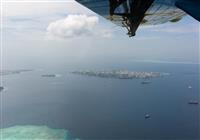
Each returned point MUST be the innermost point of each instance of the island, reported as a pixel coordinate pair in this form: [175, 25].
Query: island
[10, 72]
[121, 74]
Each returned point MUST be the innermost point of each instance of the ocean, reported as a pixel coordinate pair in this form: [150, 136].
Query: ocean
[93, 108]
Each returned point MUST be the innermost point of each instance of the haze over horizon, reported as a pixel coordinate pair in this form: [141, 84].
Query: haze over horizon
[53, 31]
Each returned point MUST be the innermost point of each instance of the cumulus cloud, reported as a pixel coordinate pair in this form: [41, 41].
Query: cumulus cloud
[75, 26]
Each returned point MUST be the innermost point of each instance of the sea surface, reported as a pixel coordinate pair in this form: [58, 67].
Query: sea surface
[93, 108]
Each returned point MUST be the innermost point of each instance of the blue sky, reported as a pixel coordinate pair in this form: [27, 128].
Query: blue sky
[34, 32]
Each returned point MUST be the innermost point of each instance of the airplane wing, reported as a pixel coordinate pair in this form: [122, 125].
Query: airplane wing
[132, 13]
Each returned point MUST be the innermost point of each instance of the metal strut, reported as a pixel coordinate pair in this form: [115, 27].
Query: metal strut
[134, 17]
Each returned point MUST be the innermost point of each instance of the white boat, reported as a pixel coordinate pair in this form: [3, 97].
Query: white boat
[147, 116]
[194, 102]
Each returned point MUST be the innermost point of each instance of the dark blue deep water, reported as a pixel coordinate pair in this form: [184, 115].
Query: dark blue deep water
[100, 108]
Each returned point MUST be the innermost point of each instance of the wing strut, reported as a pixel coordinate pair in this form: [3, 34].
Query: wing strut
[133, 18]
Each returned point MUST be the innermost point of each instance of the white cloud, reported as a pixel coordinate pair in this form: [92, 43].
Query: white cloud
[75, 26]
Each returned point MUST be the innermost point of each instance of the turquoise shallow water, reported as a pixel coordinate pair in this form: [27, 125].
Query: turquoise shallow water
[99, 108]
[29, 132]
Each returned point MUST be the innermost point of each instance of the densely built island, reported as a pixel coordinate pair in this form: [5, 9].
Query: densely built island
[121, 74]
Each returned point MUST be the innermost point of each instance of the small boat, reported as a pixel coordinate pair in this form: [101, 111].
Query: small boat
[145, 82]
[49, 75]
[1, 88]
[189, 87]
[147, 116]
[194, 102]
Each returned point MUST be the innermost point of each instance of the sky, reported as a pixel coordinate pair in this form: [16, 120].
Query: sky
[38, 34]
